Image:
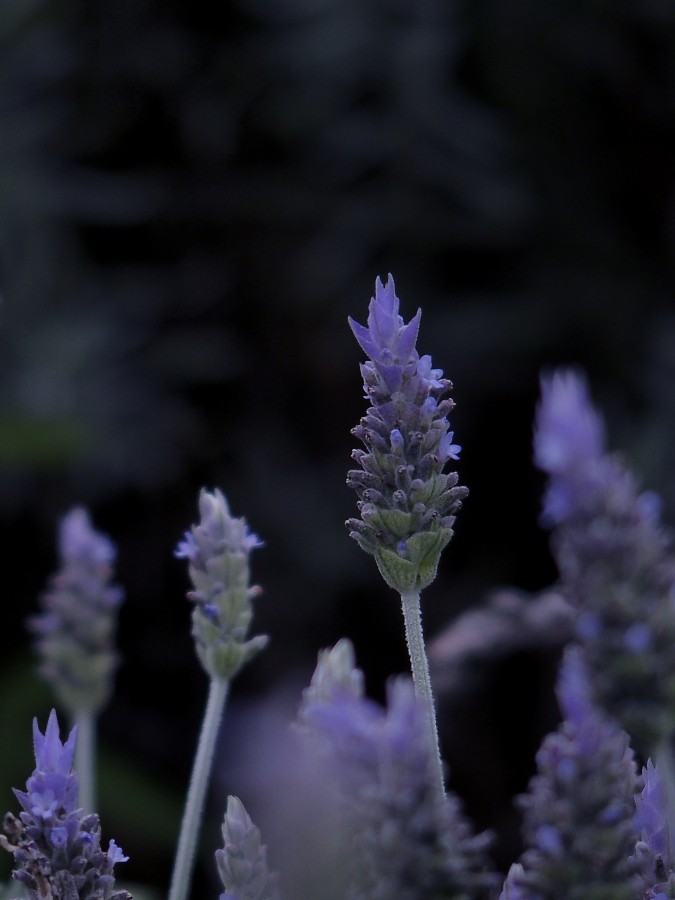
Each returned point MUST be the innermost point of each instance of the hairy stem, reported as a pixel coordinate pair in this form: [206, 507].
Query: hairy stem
[412, 616]
[192, 816]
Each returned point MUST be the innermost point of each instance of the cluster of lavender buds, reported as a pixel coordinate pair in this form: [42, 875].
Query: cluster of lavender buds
[407, 503]
[654, 852]
[579, 812]
[242, 861]
[56, 847]
[614, 562]
[218, 550]
[76, 628]
[404, 842]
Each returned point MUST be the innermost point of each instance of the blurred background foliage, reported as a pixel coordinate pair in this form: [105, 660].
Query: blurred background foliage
[193, 197]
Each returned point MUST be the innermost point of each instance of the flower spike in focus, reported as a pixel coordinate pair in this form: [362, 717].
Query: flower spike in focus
[406, 501]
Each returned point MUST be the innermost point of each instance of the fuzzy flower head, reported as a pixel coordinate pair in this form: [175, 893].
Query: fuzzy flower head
[403, 842]
[218, 550]
[75, 630]
[56, 847]
[616, 566]
[242, 861]
[407, 503]
[579, 822]
[654, 852]
[568, 444]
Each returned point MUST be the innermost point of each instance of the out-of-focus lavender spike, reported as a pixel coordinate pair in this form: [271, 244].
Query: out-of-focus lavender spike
[615, 562]
[579, 811]
[405, 843]
[56, 845]
[218, 550]
[513, 888]
[654, 852]
[335, 673]
[75, 629]
[242, 862]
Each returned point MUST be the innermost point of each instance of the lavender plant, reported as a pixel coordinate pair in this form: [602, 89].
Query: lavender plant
[242, 862]
[404, 843]
[218, 549]
[593, 829]
[75, 631]
[56, 844]
[407, 503]
[614, 560]
[654, 852]
[579, 811]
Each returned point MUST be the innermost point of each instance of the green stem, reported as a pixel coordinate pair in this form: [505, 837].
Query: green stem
[412, 615]
[189, 831]
[85, 755]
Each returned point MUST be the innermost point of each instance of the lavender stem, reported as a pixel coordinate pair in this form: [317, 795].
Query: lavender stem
[412, 616]
[189, 832]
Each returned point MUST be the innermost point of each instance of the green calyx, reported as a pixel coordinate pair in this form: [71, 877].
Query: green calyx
[415, 567]
[222, 655]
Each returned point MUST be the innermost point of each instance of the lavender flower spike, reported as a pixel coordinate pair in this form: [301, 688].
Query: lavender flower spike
[56, 846]
[654, 852]
[75, 630]
[407, 503]
[242, 862]
[615, 562]
[404, 843]
[579, 822]
[218, 549]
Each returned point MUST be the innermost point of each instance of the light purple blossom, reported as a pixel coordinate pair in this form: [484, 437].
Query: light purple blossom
[579, 824]
[75, 629]
[387, 339]
[242, 861]
[654, 853]
[56, 846]
[615, 562]
[407, 504]
[404, 843]
[218, 549]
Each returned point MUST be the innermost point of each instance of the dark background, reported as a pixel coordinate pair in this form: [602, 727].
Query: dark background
[193, 197]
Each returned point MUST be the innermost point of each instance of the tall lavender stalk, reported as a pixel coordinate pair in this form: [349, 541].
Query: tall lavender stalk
[407, 503]
[75, 632]
[218, 550]
[579, 826]
[615, 562]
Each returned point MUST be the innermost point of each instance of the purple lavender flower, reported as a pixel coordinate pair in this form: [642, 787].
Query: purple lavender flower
[76, 628]
[654, 852]
[405, 844]
[615, 563]
[579, 823]
[407, 503]
[218, 549]
[242, 862]
[56, 847]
